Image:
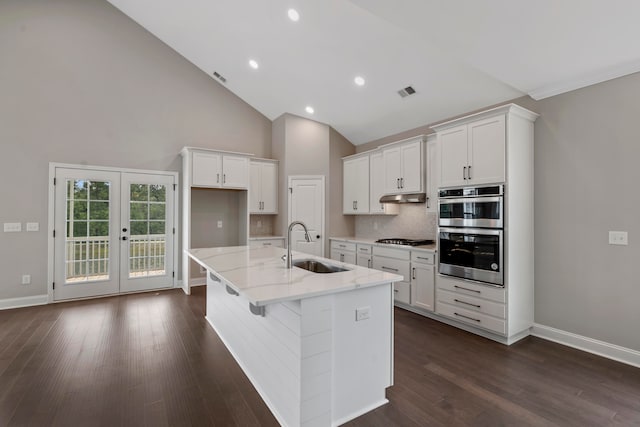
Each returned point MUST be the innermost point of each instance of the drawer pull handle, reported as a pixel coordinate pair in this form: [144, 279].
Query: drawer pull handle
[414, 273]
[421, 257]
[467, 303]
[466, 317]
[389, 268]
[364, 249]
[267, 244]
[342, 246]
[466, 289]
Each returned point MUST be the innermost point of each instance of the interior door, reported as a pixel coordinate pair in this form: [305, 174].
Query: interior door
[147, 232]
[86, 235]
[306, 204]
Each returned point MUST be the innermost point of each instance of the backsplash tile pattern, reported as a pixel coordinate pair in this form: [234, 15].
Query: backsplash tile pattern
[412, 222]
[266, 225]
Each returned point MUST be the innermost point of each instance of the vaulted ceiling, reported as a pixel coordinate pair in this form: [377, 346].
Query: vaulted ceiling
[457, 55]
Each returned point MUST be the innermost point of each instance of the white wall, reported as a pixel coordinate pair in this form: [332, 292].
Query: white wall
[82, 83]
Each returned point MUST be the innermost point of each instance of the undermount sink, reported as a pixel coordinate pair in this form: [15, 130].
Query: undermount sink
[318, 266]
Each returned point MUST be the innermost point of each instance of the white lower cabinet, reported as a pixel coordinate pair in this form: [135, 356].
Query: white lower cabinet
[395, 261]
[363, 255]
[265, 243]
[475, 304]
[423, 280]
[343, 251]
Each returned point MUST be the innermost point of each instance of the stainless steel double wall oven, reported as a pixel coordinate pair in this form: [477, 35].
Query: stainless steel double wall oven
[470, 233]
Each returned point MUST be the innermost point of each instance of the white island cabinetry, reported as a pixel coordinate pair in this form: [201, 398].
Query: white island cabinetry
[319, 348]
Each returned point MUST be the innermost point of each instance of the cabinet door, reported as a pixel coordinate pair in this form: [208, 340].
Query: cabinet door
[235, 172]
[453, 156]
[423, 286]
[433, 174]
[487, 151]
[376, 183]
[364, 260]
[411, 159]
[269, 188]
[349, 186]
[207, 170]
[392, 160]
[255, 188]
[362, 185]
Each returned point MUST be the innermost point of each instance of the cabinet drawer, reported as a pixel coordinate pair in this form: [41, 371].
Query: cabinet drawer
[464, 287]
[343, 246]
[472, 303]
[363, 249]
[265, 243]
[472, 318]
[423, 257]
[392, 252]
[402, 292]
[391, 265]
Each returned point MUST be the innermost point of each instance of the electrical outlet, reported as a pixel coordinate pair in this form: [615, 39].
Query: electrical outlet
[219, 224]
[618, 238]
[12, 227]
[33, 226]
[26, 279]
[363, 313]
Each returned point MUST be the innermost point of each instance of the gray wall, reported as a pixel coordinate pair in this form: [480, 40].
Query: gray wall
[307, 147]
[82, 83]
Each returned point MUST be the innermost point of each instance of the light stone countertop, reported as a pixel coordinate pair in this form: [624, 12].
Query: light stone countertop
[260, 275]
[265, 237]
[426, 248]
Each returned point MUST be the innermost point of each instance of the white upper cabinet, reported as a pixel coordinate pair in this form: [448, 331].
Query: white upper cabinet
[473, 153]
[403, 167]
[433, 173]
[376, 186]
[263, 187]
[219, 170]
[356, 185]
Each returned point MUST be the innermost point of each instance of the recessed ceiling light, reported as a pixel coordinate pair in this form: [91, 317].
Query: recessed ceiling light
[359, 80]
[309, 109]
[293, 15]
[253, 64]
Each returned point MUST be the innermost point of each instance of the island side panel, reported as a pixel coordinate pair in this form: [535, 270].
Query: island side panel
[362, 351]
[266, 348]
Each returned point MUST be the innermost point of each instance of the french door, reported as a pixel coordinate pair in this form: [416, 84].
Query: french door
[113, 232]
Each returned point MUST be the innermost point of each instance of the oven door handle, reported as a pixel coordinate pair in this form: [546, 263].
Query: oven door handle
[478, 231]
[472, 199]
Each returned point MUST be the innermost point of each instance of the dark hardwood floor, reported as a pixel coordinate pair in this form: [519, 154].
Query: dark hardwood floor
[152, 360]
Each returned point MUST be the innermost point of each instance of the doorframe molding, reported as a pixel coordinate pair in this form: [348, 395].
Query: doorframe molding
[51, 214]
[324, 196]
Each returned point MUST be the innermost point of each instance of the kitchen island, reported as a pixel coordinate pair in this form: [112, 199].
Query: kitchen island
[317, 347]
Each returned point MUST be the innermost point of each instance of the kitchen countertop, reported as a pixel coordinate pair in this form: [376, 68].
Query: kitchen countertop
[259, 274]
[428, 248]
[265, 237]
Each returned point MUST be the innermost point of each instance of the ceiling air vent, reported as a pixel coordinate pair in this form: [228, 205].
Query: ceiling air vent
[406, 91]
[219, 77]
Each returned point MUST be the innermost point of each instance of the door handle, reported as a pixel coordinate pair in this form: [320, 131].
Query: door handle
[356, 202]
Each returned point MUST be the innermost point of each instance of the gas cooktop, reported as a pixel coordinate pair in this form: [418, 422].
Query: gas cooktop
[406, 242]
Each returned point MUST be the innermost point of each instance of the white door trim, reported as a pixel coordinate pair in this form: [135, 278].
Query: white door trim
[323, 236]
[51, 213]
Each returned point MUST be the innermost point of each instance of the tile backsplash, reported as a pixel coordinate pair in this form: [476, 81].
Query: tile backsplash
[261, 225]
[412, 222]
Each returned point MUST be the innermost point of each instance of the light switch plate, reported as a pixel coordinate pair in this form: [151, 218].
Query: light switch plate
[12, 227]
[219, 224]
[618, 238]
[33, 226]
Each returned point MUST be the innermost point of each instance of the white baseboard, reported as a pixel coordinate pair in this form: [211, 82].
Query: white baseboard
[590, 345]
[8, 303]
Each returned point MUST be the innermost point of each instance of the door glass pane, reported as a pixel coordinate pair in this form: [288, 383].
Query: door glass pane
[87, 230]
[147, 244]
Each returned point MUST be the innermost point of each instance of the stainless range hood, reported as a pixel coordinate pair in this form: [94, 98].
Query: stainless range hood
[404, 198]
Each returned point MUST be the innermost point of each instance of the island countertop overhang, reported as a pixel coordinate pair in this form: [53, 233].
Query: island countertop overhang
[260, 275]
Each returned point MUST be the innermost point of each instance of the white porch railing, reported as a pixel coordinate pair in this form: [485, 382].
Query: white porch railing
[87, 258]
